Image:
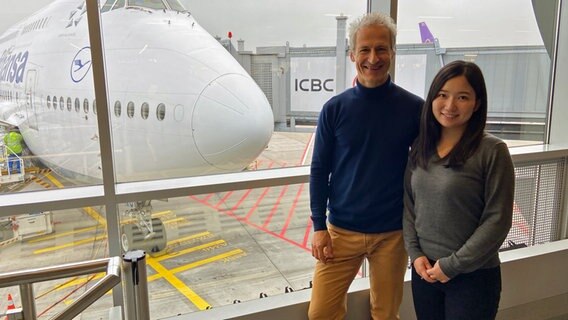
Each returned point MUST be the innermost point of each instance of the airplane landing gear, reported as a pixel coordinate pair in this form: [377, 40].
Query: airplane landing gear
[144, 233]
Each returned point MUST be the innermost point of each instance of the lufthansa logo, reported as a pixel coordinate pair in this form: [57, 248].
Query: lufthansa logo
[81, 64]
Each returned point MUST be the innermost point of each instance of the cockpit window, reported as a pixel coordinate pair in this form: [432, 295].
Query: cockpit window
[175, 5]
[108, 4]
[150, 4]
[118, 4]
[112, 5]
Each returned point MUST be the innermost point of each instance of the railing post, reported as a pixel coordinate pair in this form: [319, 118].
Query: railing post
[135, 286]
[28, 301]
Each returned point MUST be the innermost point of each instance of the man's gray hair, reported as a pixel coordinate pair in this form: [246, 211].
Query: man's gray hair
[371, 19]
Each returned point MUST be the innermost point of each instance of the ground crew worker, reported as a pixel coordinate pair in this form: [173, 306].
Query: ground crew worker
[14, 147]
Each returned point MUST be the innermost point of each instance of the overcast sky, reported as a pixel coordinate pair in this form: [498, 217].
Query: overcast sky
[312, 22]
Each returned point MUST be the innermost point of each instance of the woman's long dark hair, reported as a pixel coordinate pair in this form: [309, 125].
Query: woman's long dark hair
[430, 129]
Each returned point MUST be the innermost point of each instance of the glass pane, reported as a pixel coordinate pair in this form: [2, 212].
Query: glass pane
[218, 99]
[45, 67]
[514, 60]
[221, 239]
[45, 239]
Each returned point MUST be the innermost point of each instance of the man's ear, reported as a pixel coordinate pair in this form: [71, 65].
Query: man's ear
[351, 56]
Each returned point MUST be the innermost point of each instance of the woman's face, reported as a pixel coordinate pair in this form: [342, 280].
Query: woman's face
[454, 104]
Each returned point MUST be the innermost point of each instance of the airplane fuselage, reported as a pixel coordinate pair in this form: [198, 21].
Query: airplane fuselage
[179, 103]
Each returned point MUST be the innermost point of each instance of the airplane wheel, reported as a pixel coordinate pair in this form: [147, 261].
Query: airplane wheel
[134, 239]
[159, 240]
[126, 240]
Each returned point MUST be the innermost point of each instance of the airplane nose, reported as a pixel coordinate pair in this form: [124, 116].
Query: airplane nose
[236, 102]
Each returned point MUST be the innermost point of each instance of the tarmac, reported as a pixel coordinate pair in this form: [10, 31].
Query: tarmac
[222, 248]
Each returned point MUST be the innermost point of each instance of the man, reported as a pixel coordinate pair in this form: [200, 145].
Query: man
[13, 142]
[360, 153]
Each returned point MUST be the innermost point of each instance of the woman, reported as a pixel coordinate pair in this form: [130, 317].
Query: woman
[459, 188]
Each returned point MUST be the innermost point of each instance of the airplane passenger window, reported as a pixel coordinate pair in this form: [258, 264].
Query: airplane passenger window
[161, 111]
[145, 110]
[86, 105]
[54, 103]
[68, 104]
[61, 103]
[95, 106]
[130, 109]
[117, 109]
[48, 102]
[77, 105]
[150, 4]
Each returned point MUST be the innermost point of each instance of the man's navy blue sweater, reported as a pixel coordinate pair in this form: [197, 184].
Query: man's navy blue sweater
[360, 153]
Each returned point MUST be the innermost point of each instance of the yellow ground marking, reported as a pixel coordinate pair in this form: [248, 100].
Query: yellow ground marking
[80, 281]
[199, 302]
[199, 263]
[62, 234]
[190, 250]
[71, 244]
[188, 238]
[161, 213]
[90, 211]
[40, 182]
[154, 215]
[176, 220]
[95, 215]
[54, 181]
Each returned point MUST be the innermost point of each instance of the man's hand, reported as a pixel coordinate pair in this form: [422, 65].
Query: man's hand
[321, 246]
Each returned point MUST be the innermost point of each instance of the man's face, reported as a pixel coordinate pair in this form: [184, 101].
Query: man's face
[372, 55]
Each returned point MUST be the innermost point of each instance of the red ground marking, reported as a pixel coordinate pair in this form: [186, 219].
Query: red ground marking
[522, 227]
[292, 211]
[232, 214]
[307, 234]
[257, 203]
[240, 201]
[259, 198]
[519, 220]
[275, 207]
[208, 197]
[227, 195]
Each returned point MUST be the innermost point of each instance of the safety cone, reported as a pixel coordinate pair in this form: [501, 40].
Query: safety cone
[11, 305]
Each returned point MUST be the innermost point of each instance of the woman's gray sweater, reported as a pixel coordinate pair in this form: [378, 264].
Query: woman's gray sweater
[460, 216]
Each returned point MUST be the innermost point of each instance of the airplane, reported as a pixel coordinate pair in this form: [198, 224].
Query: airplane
[180, 104]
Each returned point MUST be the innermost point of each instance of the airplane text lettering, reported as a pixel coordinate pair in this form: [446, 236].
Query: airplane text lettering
[13, 66]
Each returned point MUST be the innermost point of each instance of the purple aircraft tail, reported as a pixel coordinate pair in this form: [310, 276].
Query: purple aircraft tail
[425, 33]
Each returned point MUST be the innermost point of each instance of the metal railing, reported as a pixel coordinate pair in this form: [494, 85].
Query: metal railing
[132, 267]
